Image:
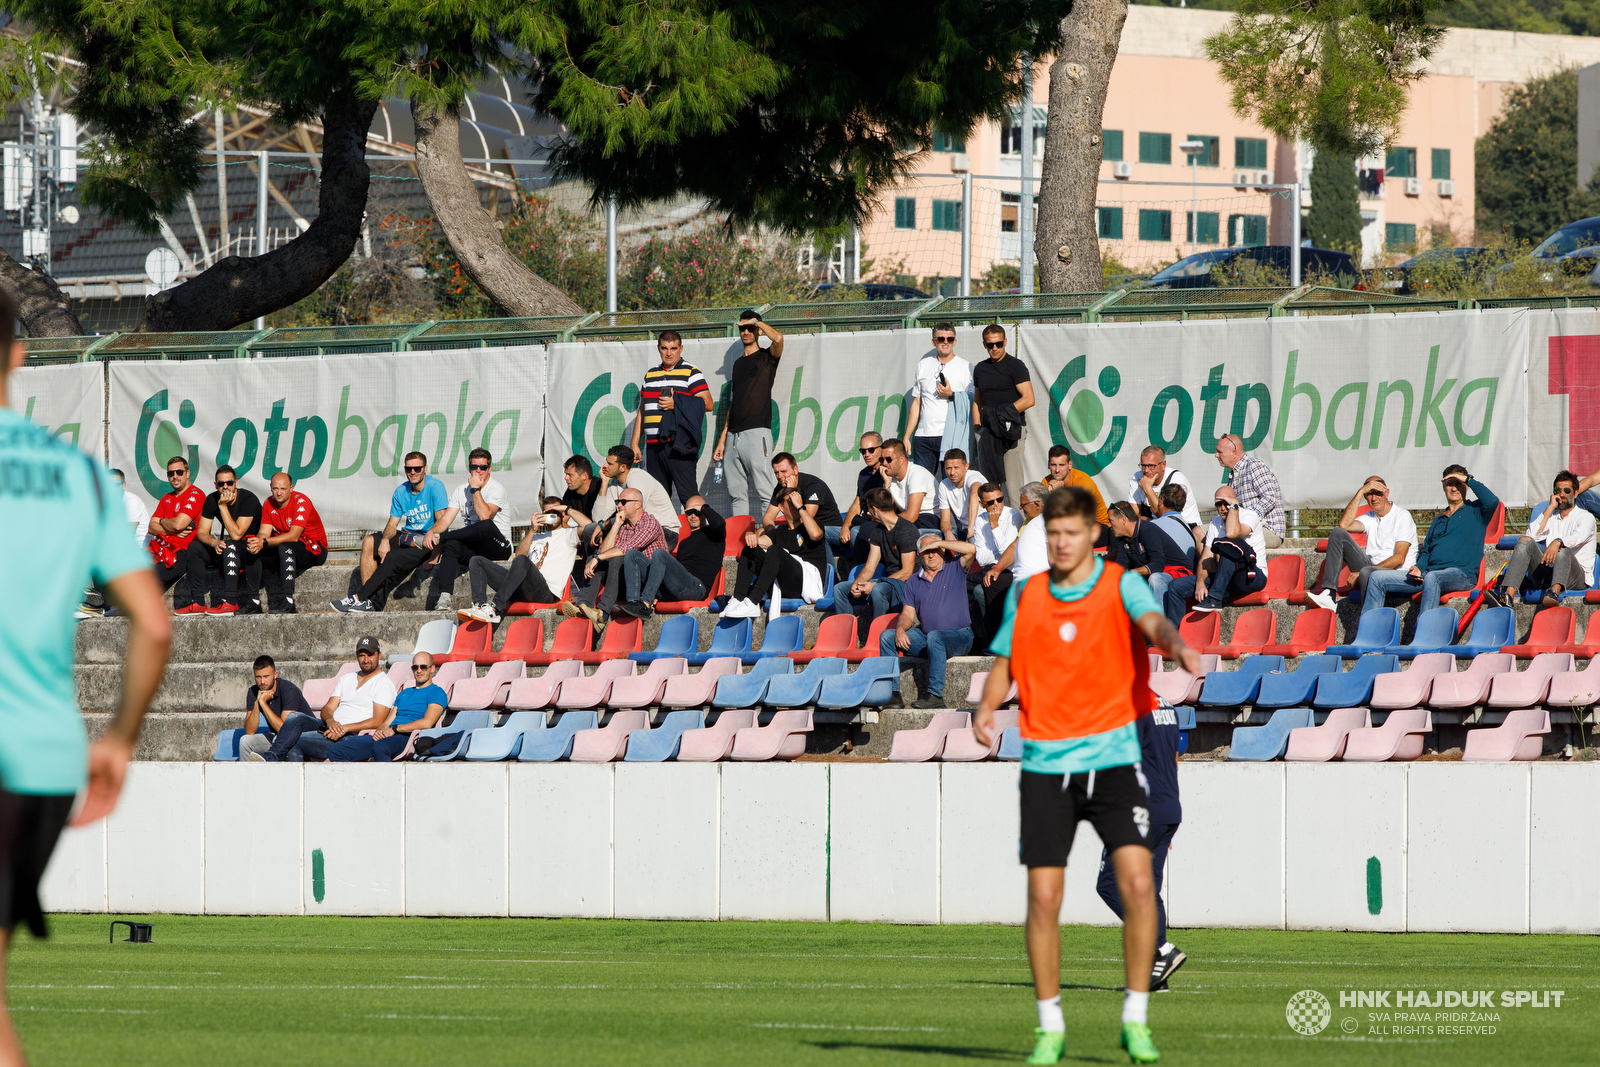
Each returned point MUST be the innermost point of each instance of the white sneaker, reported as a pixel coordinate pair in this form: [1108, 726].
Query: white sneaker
[480, 613]
[741, 608]
[1322, 599]
[443, 603]
[255, 757]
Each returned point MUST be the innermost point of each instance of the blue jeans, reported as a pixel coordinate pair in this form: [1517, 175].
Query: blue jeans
[1589, 500]
[660, 575]
[925, 453]
[1160, 841]
[1432, 584]
[1159, 580]
[1225, 583]
[283, 746]
[887, 595]
[831, 535]
[938, 646]
[351, 748]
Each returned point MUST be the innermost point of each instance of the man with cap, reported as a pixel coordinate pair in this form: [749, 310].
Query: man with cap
[1233, 560]
[746, 441]
[360, 701]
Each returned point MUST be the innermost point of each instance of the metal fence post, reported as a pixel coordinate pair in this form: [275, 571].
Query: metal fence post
[1294, 238]
[611, 255]
[966, 234]
[261, 216]
[1025, 205]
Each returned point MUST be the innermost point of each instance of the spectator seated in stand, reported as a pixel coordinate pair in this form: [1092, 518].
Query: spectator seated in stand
[813, 490]
[1233, 560]
[1391, 536]
[360, 701]
[172, 531]
[1022, 559]
[1451, 554]
[894, 545]
[1063, 473]
[291, 541]
[266, 705]
[221, 563]
[1256, 486]
[959, 496]
[690, 573]
[997, 527]
[849, 543]
[633, 530]
[916, 494]
[935, 621]
[787, 558]
[419, 706]
[538, 573]
[1152, 478]
[484, 506]
[1140, 546]
[595, 589]
[1557, 552]
[418, 514]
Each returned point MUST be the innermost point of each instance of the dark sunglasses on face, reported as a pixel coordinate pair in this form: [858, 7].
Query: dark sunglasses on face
[470, 466]
[226, 485]
[994, 344]
[869, 451]
[1564, 491]
[944, 340]
[422, 667]
[745, 327]
[176, 473]
[992, 503]
[1223, 505]
[413, 470]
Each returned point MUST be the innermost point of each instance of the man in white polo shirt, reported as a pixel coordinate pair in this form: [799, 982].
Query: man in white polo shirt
[1154, 475]
[360, 701]
[1558, 550]
[1391, 542]
[958, 497]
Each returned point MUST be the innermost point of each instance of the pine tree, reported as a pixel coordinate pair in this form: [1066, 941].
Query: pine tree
[1334, 220]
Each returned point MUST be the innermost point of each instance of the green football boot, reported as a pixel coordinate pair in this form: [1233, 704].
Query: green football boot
[1048, 1046]
[1136, 1039]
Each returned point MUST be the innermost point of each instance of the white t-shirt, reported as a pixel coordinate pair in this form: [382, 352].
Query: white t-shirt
[1191, 506]
[1383, 534]
[139, 515]
[992, 541]
[959, 498]
[1257, 539]
[495, 493]
[553, 553]
[917, 480]
[935, 408]
[1033, 555]
[1576, 532]
[355, 704]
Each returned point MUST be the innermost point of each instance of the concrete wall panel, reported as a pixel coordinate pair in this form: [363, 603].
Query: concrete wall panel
[1467, 847]
[75, 880]
[885, 842]
[355, 842]
[253, 830]
[1226, 864]
[560, 833]
[155, 841]
[667, 840]
[1345, 846]
[1080, 902]
[980, 880]
[1564, 855]
[774, 847]
[456, 839]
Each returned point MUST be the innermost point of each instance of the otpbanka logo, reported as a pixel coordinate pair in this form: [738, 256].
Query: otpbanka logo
[1308, 1013]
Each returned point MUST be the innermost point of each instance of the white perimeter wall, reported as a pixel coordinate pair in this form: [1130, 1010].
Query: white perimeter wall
[1486, 847]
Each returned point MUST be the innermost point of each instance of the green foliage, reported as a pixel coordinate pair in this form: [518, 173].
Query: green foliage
[1527, 164]
[1335, 217]
[711, 268]
[1579, 17]
[1334, 72]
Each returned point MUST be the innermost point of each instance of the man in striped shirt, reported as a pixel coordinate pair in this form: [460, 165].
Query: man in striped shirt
[672, 407]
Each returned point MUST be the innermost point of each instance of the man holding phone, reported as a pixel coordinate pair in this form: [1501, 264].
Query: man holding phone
[539, 571]
[944, 380]
[671, 422]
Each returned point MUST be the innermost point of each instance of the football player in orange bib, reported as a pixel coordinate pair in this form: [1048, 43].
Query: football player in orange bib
[1074, 640]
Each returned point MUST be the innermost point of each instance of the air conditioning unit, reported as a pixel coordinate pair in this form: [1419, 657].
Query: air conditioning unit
[1263, 177]
[959, 163]
[1242, 179]
[1413, 186]
[1447, 188]
[1122, 169]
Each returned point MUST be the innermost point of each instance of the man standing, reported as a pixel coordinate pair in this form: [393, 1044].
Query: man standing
[172, 530]
[1558, 550]
[538, 573]
[1452, 551]
[44, 751]
[1001, 392]
[746, 440]
[1154, 475]
[217, 561]
[483, 503]
[894, 544]
[418, 514]
[1225, 570]
[420, 706]
[1140, 548]
[819, 502]
[958, 496]
[1075, 641]
[360, 701]
[935, 621]
[944, 385]
[866, 478]
[292, 540]
[671, 422]
[1255, 485]
[1391, 544]
[266, 705]
[914, 490]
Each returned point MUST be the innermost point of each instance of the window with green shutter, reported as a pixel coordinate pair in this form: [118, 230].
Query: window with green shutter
[1155, 225]
[1441, 164]
[1400, 163]
[947, 215]
[905, 213]
[1155, 148]
[1250, 152]
[1211, 156]
[1111, 145]
[1399, 236]
[1110, 222]
[1247, 230]
[1208, 228]
[943, 142]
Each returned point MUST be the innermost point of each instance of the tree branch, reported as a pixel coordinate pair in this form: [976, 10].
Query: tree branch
[41, 305]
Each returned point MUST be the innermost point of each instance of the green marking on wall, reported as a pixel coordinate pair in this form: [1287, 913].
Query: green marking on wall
[1374, 886]
[319, 884]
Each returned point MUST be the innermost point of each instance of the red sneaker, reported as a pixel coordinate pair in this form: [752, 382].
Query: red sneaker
[223, 609]
[190, 609]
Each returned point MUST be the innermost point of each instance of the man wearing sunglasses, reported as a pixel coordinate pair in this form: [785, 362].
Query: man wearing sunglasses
[1391, 544]
[218, 561]
[1452, 551]
[419, 706]
[1001, 392]
[746, 441]
[941, 402]
[418, 514]
[1558, 551]
[172, 530]
[483, 505]
[856, 519]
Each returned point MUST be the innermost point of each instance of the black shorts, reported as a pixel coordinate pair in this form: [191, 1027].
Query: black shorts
[1116, 801]
[29, 827]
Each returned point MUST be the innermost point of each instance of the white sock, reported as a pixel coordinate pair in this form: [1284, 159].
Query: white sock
[1165, 948]
[1135, 1007]
[1050, 1016]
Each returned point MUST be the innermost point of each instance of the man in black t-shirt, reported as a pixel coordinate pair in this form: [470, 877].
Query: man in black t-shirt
[216, 561]
[583, 488]
[746, 441]
[689, 572]
[1002, 391]
[267, 703]
[813, 490]
[894, 544]
[789, 559]
[857, 523]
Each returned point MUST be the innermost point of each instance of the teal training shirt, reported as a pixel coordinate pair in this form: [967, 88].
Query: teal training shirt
[65, 529]
[1113, 748]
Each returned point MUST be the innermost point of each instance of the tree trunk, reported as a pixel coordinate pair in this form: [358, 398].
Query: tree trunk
[473, 234]
[1067, 243]
[238, 288]
[42, 308]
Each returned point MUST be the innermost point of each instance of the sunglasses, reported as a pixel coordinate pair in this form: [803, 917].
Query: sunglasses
[1563, 491]
[470, 467]
[418, 667]
[1221, 505]
[226, 485]
[944, 340]
[994, 344]
[1376, 492]
[868, 451]
[746, 328]
[177, 473]
[414, 470]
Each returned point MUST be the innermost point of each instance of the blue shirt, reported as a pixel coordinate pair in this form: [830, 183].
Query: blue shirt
[940, 602]
[52, 487]
[415, 510]
[1457, 540]
[412, 704]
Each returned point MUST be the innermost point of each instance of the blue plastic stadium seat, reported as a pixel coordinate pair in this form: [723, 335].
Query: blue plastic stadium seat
[1185, 725]
[1354, 687]
[1293, 689]
[1509, 541]
[1436, 629]
[871, 684]
[464, 722]
[228, 746]
[783, 635]
[661, 744]
[1265, 743]
[555, 742]
[680, 636]
[1379, 629]
[1010, 744]
[503, 741]
[1229, 689]
[730, 637]
[1492, 628]
[747, 690]
[799, 690]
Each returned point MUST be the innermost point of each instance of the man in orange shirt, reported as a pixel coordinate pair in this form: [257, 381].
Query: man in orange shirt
[1074, 639]
[1063, 473]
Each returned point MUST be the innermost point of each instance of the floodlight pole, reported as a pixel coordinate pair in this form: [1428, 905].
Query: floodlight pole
[1025, 206]
[611, 255]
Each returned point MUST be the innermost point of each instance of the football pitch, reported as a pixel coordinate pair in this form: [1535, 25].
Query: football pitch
[480, 992]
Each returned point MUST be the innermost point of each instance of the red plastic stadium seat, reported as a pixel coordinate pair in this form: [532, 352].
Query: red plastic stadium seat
[869, 647]
[522, 636]
[737, 527]
[719, 585]
[471, 639]
[1314, 630]
[1286, 576]
[836, 636]
[1590, 646]
[1251, 631]
[622, 636]
[1552, 628]
[1359, 536]
[528, 608]
[1497, 526]
[573, 638]
[1201, 629]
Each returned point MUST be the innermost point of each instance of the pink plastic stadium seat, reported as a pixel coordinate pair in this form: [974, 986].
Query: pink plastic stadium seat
[1399, 738]
[694, 690]
[1576, 689]
[1319, 744]
[449, 674]
[714, 742]
[919, 746]
[1524, 689]
[1471, 686]
[975, 690]
[782, 738]
[609, 742]
[1251, 632]
[961, 745]
[490, 691]
[591, 692]
[399, 674]
[1520, 737]
[648, 688]
[1178, 686]
[533, 694]
[1552, 628]
[1314, 630]
[1410, 688]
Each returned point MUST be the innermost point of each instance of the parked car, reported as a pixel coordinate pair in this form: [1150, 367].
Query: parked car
[1194, 272]
[877, 291]
[1573, 251]
[1441, 267]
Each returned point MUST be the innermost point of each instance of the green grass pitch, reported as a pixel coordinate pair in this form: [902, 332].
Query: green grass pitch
[480, 992]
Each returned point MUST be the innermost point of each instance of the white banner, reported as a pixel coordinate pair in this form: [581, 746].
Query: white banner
[68, 399]
[1564, 396]
[340, 425]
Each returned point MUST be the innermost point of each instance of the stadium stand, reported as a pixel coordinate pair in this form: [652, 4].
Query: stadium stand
[1179, 686]
[1286, 576]
[749, 690]
[1492, 629]
[1264, 743]
[522, 637]
[730, 637]
[662, 742]
[799, 690]
[1252, 631]
[555, 742]
[1353, 687]
[593, 691]
[1436, 629]
[1231, 689]
[1551, 629]
[470, 639]
[920, 746]
[1576, 689]
[1296, 687]
[534, 694]
[631, 692]
[1524, 689]
[1467, 688]
[622, 637]
[1519, 737]
[573, 638]
[489, 691]
[504, 741]
[1400, 738]
[609, 742]
[714, 742]
[836, 635]
[1314, 630]
[1377, 630]
[1587, 648]
[1411, 687]
[961, 745]
[694, 690]
[782, 738]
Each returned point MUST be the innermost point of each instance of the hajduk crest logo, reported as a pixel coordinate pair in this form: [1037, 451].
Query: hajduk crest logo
[1308, 1013]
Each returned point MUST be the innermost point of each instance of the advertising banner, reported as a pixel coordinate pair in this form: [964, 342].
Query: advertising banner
[1564, 396]
[68, 399]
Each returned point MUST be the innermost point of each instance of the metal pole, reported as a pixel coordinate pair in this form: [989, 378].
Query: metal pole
[855, 255]
[1025, 206]
[261, 216]
[1294, 238]
[222, 192]
[611, 255]
[966, 234]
